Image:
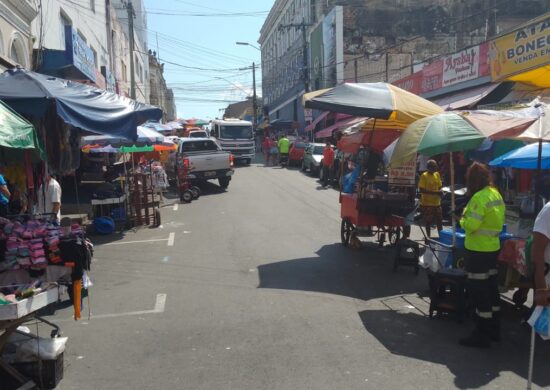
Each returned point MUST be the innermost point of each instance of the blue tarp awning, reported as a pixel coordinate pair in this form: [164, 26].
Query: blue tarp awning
[78, 105]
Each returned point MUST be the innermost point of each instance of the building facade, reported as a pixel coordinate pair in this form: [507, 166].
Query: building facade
[284, 59]
[369, 41]
[15, 33]
[161, 96]
[88, 42]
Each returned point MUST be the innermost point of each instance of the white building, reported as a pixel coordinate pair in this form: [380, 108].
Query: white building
[87, 40]
[15, 33]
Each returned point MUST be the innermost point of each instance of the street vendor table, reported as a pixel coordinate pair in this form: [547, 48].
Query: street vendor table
[53, 273]
[15, 314]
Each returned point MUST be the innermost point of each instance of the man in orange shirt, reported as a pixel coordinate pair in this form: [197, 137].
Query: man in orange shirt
[328, 160]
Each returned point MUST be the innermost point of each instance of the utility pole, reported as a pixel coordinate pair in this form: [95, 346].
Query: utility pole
[254, 98]
[131, 15]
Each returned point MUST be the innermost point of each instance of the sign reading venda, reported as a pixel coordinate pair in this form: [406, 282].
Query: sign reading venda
[79, 53]
[521, 50]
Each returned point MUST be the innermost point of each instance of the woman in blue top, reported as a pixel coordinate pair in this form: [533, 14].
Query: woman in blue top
[4, 196]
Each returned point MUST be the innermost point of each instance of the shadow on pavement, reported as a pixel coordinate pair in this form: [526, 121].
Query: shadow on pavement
[415, 336]
[367, 275]
[363, 274]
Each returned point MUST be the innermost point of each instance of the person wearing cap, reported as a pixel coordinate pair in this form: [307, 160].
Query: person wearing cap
[430, 186]
[482, 221]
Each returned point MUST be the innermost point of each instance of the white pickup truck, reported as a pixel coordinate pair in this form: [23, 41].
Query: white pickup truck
[205, 160]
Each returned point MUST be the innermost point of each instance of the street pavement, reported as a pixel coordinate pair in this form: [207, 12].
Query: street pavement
[251, 289]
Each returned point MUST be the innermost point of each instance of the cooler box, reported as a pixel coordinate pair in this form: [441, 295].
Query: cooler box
[446, 237]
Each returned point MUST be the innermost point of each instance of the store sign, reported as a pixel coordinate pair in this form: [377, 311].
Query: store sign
[521, 50]
[308, 114]
[403, 175]
[411, 83]
[79, 53]
[461, 66]
[432, 76]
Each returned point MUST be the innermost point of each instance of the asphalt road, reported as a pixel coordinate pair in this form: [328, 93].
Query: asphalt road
[251, 289]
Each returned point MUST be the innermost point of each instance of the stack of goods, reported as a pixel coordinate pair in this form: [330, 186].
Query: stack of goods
[34, 244]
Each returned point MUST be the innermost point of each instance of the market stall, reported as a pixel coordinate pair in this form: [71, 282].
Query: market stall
[138, 199]
[370, 204]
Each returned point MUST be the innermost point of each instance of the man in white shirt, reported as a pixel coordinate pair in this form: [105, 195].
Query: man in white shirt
[49, 198]
[540, 254]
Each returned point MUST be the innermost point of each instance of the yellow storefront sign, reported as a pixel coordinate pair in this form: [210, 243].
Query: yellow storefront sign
[522, 50]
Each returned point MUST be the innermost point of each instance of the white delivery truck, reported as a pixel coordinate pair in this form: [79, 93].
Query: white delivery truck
[235, 136]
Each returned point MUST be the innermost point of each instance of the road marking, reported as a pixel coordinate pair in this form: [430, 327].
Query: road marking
[135, 242]
[160, 305]
[176, 206]
[171, 238]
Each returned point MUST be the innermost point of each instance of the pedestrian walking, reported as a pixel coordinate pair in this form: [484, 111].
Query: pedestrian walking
[430, 186]
[482, 221]
[266, 146]
[328, 160]
[273, 151]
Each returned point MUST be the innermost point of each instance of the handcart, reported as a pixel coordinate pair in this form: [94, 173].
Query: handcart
[187, 191]
[372, 217]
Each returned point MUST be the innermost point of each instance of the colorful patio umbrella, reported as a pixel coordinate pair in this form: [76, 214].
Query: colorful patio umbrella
[436, 134]
[146, 136]
[380, 101]
[526, 157]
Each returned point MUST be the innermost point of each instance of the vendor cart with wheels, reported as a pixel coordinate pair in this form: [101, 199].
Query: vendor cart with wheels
[371, 217]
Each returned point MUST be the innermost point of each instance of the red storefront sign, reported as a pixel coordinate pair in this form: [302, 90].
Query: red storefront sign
[468, 64]
[432, 76]
[411, 83]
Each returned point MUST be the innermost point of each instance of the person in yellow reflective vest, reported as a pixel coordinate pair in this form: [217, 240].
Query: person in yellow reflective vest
[284, 146]
[482, 221]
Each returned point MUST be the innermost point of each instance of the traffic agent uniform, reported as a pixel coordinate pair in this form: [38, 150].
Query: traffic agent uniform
[284, 146]
[482, 221]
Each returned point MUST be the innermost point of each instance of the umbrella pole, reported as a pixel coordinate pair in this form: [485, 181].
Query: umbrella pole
[531, 360]
[453, 221]
[538, 181]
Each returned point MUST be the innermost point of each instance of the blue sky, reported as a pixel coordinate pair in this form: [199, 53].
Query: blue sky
[196, 41]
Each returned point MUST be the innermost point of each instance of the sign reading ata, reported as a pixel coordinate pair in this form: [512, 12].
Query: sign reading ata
[521, 50]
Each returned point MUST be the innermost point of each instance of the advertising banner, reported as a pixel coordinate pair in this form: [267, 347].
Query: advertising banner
[521, 50]
[316, 55]
[461, 66]
[329, 49]
[432, 76]
[411, 83]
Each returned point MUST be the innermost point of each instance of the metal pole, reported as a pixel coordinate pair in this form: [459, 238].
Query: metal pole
[355, 70]
[306, 65]
[130, 9]
[538, 180]
[453, 221]
[254, 99]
